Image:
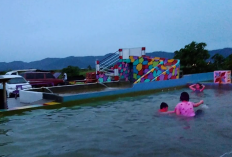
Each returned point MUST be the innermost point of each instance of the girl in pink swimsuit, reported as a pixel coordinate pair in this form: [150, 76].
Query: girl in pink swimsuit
[185, 107]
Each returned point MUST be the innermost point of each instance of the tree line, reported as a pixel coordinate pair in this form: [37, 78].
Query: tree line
[73, 71]
[194, 58]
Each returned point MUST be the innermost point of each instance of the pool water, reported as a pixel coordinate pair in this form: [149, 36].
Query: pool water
[128, 127]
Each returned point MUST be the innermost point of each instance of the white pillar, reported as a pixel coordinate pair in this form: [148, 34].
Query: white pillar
[120, 53]
[116, 77]
[143, 51]
[97, 67]
[4, 95]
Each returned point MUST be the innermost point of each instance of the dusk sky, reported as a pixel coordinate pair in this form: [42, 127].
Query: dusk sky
[32, 30]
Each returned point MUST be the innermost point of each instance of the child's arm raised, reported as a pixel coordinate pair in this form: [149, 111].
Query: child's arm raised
[198, 104]
[192, 87]
[203, 87]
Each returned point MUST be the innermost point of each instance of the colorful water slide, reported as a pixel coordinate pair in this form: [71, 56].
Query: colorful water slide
[165, 70]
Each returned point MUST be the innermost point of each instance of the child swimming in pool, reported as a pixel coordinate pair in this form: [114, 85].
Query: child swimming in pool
[197, 87]
[185, 107]
[164, 108]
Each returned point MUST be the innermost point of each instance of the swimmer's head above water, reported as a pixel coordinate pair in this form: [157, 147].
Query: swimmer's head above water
[197, 87]
[163, 107]
[184, 96]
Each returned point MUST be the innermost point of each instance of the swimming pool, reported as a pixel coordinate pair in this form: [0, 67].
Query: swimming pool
[125, 127]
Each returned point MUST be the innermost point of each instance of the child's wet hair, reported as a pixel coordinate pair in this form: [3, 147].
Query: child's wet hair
[184, 96]
[199, 84]
[163, 105]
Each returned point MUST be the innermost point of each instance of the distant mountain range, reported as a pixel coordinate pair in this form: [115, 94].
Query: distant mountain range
[83, 62]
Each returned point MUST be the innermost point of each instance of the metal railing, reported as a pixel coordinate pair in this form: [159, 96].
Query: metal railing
[108, 62]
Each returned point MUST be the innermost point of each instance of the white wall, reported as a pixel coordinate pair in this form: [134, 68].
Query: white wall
[29, 96]
[132, 52]
[136, 52]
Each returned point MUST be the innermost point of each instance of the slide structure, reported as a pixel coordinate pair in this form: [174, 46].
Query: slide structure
[136, 68]
[165, 70]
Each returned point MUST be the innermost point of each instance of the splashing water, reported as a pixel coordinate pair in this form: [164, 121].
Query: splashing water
[205, 106]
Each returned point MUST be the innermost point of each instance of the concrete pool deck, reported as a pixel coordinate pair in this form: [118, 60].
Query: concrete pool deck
[13, 103]
[15, 106]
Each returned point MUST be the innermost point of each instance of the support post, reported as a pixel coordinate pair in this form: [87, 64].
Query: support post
[4, 96]
[120, 53]
[97, 66]
[116, 77]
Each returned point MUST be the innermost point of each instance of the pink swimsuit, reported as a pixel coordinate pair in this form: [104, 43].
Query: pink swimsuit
[186, 109]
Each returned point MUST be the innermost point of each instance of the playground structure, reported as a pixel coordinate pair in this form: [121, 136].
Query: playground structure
[133, 65]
